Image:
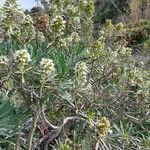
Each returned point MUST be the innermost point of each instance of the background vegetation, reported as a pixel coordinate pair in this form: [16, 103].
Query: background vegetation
[75, 75]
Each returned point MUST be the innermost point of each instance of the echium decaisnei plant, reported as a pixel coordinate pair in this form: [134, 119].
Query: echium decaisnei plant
[103, 126]
[32, 91]
[23, 59]
[47, 69]
[87, 10]
[55, 69]
[81, 72]
[70, 18]
[14, 24]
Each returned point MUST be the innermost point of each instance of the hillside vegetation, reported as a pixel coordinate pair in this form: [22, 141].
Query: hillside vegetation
[75, 75]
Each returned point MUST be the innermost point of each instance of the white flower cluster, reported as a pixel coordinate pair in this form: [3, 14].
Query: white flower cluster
[126, 51]
[28, 19]
[47, 67]
[23, 57]
[55, 9]
[81, 71]
[4, 60]
[58, 25]
[75, 37]
[40, 36]
[62, 44]
[76, 22]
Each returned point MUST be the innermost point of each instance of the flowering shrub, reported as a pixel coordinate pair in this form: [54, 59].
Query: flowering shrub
[55, 72]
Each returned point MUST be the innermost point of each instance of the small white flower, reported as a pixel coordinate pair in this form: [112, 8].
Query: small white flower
[75, 36]
[28, 19]
[84, 2]
[4, 60]
[58, 19]
[110, 131]
[62, 43]
[23, 56]
[40, 36]
[76, 20]
[142, 63]
[47, 67]
[69, 39]
[114, 54]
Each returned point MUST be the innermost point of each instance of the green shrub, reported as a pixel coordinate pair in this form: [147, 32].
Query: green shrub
[75, 91]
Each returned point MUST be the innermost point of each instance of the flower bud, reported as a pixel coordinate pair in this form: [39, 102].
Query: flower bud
[120, 27]
[75, 37]
[103, 126]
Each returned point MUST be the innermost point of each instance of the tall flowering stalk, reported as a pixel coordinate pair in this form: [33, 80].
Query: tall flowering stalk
[103, 126]
[58, 26]
[23, 59]
[47, 68]
[81, 72]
